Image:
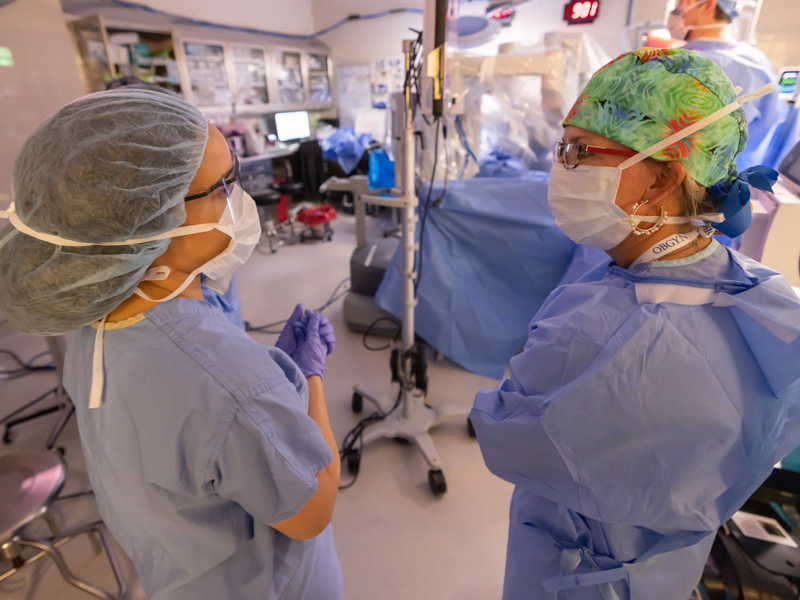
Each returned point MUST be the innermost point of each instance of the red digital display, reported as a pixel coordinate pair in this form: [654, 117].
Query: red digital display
[581, 12]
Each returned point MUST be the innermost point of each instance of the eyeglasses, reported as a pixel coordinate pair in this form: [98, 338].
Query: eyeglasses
[573, 152]
[227, 181]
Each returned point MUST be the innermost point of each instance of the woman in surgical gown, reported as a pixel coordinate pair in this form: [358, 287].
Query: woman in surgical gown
[654, 395]
[210, 455]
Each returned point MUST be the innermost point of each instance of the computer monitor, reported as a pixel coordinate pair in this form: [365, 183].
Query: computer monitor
[292, 126]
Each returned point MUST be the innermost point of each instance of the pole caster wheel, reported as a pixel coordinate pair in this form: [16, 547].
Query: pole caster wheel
[8, 437]
[471, 429]
[437, 482]
[358, 403]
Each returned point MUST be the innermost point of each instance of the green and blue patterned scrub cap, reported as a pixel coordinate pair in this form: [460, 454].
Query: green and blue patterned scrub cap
[646, 96]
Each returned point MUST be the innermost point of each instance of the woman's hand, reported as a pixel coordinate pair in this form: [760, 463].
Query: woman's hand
[287, 340]
[315, 341]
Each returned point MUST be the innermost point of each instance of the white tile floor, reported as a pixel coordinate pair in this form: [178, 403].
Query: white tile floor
[395, 540]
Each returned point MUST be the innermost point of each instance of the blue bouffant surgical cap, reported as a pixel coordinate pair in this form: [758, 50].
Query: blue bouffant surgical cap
[109, 167]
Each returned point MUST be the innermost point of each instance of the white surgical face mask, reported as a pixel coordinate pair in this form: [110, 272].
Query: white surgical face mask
[244, 233]
[676, 23]
[583, 199]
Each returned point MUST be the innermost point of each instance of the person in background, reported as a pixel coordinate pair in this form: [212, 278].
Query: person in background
[211, 456]
[655, 394]
[705, 25]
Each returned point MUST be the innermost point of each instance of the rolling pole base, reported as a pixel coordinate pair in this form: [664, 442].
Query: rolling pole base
[415, 428]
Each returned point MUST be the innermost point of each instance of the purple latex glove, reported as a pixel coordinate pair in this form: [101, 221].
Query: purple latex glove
[287, 341]
[311, 348]
[325, 329]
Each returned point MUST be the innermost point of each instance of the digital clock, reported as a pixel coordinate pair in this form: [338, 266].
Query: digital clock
[581, 12]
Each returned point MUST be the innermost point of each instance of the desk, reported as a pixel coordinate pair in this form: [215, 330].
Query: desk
[271, 154]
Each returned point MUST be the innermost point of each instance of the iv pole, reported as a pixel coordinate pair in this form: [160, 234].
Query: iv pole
[414, 418]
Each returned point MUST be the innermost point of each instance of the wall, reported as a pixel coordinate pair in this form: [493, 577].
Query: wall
[271, 15]
[44, 76]
[776, 32]
[358, 42]
[537, 17]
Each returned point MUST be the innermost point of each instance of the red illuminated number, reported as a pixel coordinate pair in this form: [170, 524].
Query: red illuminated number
[583, 10]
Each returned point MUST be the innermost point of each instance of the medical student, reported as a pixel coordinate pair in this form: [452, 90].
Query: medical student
[705, 24]
[211, 456]
[654, 395]
[221, 293]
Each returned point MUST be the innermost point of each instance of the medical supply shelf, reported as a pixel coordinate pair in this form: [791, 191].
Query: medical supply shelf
[219, 71]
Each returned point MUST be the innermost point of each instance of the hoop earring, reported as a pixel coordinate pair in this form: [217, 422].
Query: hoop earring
[638, 230]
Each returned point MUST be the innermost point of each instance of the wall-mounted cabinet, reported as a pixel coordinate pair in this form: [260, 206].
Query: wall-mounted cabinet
[319, 78]
[208, 67]
[250, 66]
[289, 73]
[205, 74]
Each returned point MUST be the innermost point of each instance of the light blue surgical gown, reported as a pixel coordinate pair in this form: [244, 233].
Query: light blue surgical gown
[749, 68]
[202, 442]
[647, 406]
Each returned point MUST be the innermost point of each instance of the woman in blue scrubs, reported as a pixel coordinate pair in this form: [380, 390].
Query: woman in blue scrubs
[211, 456]
[654, 395]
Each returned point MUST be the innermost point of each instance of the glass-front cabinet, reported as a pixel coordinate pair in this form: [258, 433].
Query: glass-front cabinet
[250, 65]
[216, 72]
[290, 77]
[221, 76]
[207, 74]
[319, 80]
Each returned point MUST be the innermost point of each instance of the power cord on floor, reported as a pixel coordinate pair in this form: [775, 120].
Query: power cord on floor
[338, 294]
[352, 454]
[24, 368]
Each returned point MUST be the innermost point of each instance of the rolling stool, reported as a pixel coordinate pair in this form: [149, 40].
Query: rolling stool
[29, 485]
[264, 200]
[57, 348]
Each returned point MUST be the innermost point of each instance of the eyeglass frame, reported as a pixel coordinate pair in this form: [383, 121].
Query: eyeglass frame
[227, 180]
[562, 148]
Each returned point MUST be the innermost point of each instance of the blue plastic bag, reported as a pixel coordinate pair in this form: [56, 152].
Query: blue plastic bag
[346, 148]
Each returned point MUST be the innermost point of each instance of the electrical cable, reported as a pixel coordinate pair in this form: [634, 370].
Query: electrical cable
[372, 326]
[178, 19]
[356, 435]
[25, 367]
[470, 154]
[427, 205]
[333, 298]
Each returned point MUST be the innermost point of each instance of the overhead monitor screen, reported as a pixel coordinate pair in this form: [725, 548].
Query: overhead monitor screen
[292, 126]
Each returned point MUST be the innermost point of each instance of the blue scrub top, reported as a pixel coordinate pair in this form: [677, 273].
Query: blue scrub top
[748, 68]
[646, 408]
[202, 442]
